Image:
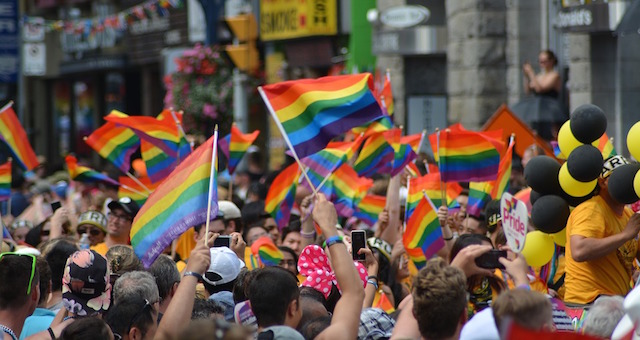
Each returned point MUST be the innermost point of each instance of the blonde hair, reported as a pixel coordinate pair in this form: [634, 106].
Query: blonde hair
[528, 309]
[122, 259]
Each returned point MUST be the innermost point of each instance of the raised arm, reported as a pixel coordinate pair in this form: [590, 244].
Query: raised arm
[392, 232]
[346, 316]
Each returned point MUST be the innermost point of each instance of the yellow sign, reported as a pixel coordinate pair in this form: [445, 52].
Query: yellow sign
[287, 19]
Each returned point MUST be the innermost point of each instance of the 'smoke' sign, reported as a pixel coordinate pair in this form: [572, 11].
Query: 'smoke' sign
[514, 221]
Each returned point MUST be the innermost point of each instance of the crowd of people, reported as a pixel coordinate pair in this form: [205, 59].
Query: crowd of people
[70, 272]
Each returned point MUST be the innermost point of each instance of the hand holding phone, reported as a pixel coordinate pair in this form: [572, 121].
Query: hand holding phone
[489, 260]
[358, 241]
[222, 241]
[55, 206]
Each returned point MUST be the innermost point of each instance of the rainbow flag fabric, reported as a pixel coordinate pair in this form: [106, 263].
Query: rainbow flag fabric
[481, 193]
[13, 134]
[431, 185]
[281, 195]
[348, 189]
[403, 152]
[132, 189]
[605, 146]
[85, 174]
[115, 144]
[423, 230]
[177, 204]
[311, 112]
[369, 207]
[5, 181]
[467, 156]
[379, 125]
[385, 97]
[381, 301]
[162, 133]
[234, 146]
[376, 156]
[266, 251]
[159, 164]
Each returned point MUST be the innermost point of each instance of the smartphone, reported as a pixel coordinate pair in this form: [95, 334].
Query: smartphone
[222, 241]
[358, 241]
[489, 260]
[55, 206]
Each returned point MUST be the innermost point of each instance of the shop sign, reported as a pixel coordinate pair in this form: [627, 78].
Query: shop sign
[585, 18]
[287, 19]
[404, 16]
[34, 59]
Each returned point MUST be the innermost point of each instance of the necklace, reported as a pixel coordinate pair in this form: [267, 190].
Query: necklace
[9, 331]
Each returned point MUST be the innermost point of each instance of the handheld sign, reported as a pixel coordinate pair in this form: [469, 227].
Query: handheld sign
[514, 221]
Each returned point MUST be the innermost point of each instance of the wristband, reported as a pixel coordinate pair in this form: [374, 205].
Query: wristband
[373, 283]
[194, 274]
[372, 277]
[331, 241]
[308, 235]
[448, 238]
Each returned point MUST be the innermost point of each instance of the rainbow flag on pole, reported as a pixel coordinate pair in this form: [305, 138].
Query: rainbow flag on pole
[115, 144]
[431, 185]
[281, 194]
[159, 164]
[177, 204]
[385, 97]
[85, 174]
[132, 189]
[481, 193]
[13, 134]
[467, 156]
[234, 146]
[369, 207]
[311, 112]
[162, 133]
[376, 156]
[423, 229]
[5, 181]
[266, 251]
[348, 189]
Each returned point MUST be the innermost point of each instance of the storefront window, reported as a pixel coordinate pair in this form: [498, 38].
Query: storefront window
[84, 108]
[62, 115]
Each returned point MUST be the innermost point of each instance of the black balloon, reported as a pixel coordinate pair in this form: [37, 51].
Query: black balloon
[575, 201]
[585, 163]
[588, 122]
[541, 174]
[533, 196]
[550, 214]
[621, 183]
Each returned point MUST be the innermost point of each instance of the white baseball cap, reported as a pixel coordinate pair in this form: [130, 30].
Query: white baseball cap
[229, 209]
[224, 268]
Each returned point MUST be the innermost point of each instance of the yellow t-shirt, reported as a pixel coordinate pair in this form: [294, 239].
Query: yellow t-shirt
[609, 275]
[101, 248]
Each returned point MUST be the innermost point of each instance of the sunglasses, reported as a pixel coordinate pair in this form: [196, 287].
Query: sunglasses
[92, 231]
[33, 267]
[120, 217]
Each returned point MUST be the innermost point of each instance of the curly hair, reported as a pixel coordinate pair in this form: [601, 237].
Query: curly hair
[439, 299]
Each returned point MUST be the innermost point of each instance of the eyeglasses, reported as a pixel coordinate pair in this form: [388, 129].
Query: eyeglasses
[93, 231]
[33, 267]
[120, 217]
[147, 306]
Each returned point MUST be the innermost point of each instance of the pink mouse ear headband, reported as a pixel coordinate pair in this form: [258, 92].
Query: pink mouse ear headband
[314, 264]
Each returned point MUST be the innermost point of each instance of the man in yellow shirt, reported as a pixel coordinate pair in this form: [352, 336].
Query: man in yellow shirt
[119, 220]
[602, 242]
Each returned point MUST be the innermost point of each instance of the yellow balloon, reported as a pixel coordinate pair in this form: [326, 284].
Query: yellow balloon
[636, 183]
[572, 186]
[560, 238]
[538, 248]
[633, 140]
[566, 140]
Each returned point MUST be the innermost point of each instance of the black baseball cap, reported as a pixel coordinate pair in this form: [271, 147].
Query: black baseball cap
[127, 204]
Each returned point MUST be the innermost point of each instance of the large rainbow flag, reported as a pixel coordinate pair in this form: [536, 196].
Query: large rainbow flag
[235, 144]
[85, 174]
[311, 112]
[281, 194]
[5, 181]
[13, 134]
[423, 229]
[177, 204]
[266, 252]
[114, 143]
[467, 156]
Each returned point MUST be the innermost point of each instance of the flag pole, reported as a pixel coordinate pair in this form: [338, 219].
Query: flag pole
[8, 105]
[406, 204]
[133, 178]
[133, 190]
[285, 136]
[324, 180]
[443, 184]
[211, 180]
[426, 165]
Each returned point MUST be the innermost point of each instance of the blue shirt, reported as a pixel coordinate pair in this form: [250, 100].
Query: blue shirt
[39, 321]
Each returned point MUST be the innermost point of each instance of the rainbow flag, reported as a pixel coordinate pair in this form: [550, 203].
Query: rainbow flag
[85, 174]
[556, 150]
[348, 189]
[413, 169]
[177, 204]
[281, 194]
[132, 189]
[431, 185]
[234, 146]
[423, 230]
[159, 164]
[311, 112]
[369, 207]
[481, 193]
[376, 156]
[115, 144]
[266, 251]
[417, 257]
[385, 97]
[381, 301]
[493, 136]
[13, 134]
[175, 118]
[5, 181]
[162, 133]
[605, 146]
[467, 156]
[379, 125]
[403, 152]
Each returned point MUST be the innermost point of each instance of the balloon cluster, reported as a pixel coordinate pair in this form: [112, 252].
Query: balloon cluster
[556, 188]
